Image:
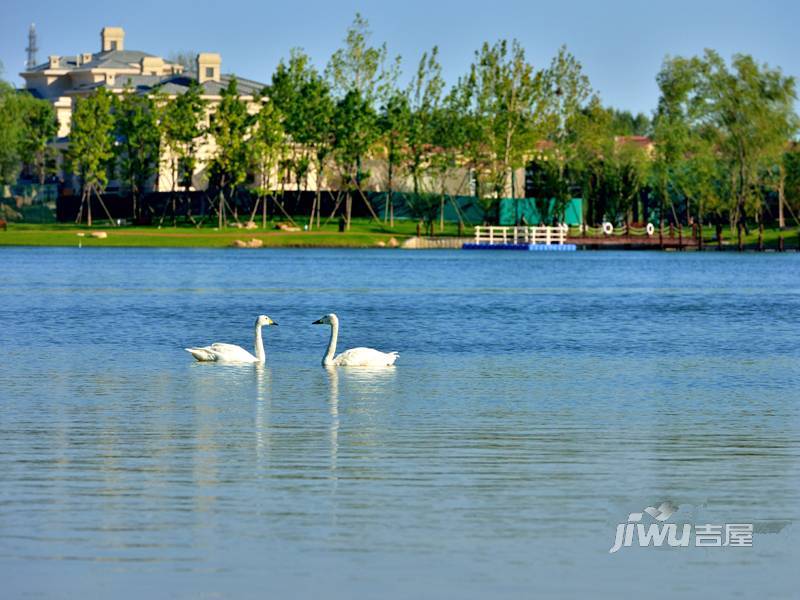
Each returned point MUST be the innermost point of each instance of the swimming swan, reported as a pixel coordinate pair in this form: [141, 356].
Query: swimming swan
[355, 357]
[230, 353]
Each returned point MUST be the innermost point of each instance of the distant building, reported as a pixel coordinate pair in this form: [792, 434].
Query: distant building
[62, 79]
[642, 141]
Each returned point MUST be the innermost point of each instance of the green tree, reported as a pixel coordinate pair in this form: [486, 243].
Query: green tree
[751, 106]
[424, 207]
[702, 180]
[507, 105]
[791, 169]
[11, 134]
[362, 68]
[673, 127]
[361, 77]
[230, 126]
[355, 131]
[626, 174]
[319, 110]
[265, 147]
[138, 142]
[40, 127]
[393, 123]
[568, 93]
[287, 93]
[626, 123]
[304, 99]
[722, 128]
[182, 127]
[610, 170]
[435, 137]
[450, 136]
[91, 147]
[424, 97]
[592, 130]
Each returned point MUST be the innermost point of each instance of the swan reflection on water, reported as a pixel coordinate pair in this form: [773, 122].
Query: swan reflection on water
[365, 383]
[360, 382]
[325, 396]
[262, 412]
[366, 379]
[333, 407]
[212, 380]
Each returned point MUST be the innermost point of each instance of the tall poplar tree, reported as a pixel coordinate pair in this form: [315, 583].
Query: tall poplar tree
[229, 127]
[138, 141]
[394, 124]
[11, 134]
[506, 101]
[424, 94]
[39, 130]
[568, 93]
[304, 100]
[91, 147]
[265, 149]
[182, 126]
[361, 77]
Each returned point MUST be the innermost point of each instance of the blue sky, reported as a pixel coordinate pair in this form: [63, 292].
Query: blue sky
[620, 43]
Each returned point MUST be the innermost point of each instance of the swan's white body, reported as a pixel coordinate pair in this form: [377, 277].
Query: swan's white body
[355, 357]
[230, 353]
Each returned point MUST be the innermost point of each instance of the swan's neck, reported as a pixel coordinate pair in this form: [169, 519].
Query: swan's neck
[260, 355]
[328, 358]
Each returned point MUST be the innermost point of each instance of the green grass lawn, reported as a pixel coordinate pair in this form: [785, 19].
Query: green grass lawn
[363, 234]
[771, 237]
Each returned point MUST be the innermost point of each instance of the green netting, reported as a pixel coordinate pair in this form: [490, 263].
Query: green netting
[466, 206]
[47, 192]
[512, 211]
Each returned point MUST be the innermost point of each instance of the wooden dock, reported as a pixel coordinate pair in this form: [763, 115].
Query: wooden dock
[635, 242]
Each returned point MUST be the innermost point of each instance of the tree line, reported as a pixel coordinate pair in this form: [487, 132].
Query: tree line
[27, 129]
[723, 136]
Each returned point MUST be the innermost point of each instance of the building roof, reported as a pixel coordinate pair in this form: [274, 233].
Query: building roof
[177, 84]
[637, 140]
[171, 83]
[112, 59]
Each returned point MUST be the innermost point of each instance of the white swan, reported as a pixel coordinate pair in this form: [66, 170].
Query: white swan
[230, 353]
[355, 357]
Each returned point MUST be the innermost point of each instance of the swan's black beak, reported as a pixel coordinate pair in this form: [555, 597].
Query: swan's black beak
[274, 323]
[317, 322]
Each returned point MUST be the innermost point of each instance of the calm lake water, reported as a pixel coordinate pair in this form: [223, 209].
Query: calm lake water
[537, 401]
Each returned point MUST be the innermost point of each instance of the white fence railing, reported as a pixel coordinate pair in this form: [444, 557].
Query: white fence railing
[544, 234]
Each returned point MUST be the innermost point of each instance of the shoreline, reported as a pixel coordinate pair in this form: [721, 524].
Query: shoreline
[363, 235]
